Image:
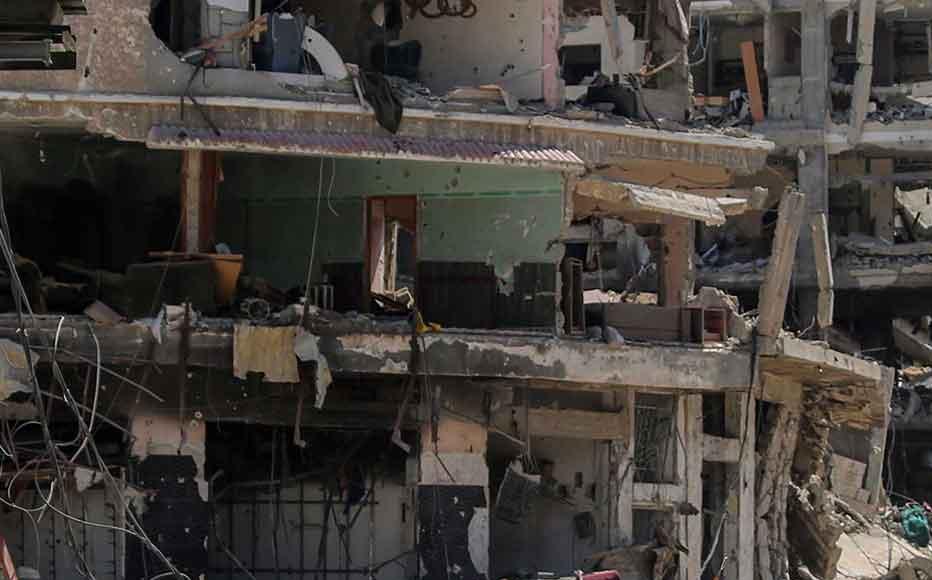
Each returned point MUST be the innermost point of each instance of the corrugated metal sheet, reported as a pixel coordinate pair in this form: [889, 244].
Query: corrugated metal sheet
[363, 146]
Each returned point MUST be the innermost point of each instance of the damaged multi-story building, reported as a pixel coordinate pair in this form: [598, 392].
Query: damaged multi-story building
[429, 289]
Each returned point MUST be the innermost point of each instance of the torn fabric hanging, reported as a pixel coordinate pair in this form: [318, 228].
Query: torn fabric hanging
[307, 349]
[266, 350]
[380, 94]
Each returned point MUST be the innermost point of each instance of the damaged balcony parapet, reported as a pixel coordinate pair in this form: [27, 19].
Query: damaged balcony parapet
[355, 347]
[571, 364]
[131, 117]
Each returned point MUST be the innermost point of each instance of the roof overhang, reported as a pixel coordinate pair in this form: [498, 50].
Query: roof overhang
[306, 143]
[598, 196]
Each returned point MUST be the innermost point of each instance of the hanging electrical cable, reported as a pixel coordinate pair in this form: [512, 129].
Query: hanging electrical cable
[53, 454]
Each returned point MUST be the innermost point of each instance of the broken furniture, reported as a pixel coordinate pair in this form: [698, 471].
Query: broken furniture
[151, 284]
[666, 323]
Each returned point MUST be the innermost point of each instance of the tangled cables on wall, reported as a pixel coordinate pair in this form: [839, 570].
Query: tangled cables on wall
[465, 8]
[53, 493]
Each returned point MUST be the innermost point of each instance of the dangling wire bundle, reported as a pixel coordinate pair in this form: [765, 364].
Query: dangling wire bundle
[52, 453]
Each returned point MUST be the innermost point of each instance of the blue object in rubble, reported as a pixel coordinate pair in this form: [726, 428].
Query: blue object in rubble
[915, 525]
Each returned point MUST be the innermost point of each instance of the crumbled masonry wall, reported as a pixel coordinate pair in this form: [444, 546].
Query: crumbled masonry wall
[547, 540]
[775, 459]
[169, 456]
[493, 216]
[118, 52]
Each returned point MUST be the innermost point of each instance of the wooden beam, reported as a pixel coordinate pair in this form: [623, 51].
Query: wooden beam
[199, 178]
[676, 270]
[720, 449]
[776, 286]
[752, 78]
[575, 424]
[695, 444]
[823, 263]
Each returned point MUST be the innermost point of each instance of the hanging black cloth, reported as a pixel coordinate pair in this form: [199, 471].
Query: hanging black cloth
[380, 94]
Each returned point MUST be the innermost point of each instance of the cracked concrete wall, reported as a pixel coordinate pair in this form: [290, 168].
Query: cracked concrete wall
[498, 216]
[118, 52]
[510, 52]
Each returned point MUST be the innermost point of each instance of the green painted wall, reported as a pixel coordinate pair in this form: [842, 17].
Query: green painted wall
[500, 216]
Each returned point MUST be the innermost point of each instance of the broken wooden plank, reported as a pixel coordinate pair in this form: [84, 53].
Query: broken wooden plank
[752, 78]
[823, 262]
[776, 286]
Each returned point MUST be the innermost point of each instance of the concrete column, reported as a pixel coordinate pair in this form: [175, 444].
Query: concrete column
[676, 269]
[813, 161]
[452, 501]
[169, 465]
[815, 59]
[813, 181]
[882, 205]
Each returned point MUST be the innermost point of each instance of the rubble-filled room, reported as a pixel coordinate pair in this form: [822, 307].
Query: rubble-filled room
[718, 58]
[99, 222]
[423, 51]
